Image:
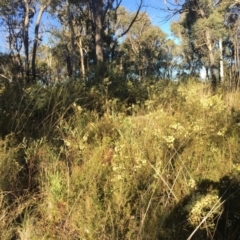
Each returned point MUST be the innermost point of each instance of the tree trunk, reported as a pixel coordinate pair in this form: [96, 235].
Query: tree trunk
[221, 61]
[211, 59]
[207, 74]
[237, 62]
[73, 50]
[97, 8]
[68, 61]
[25, 39]
[81, 56]
[35, 44]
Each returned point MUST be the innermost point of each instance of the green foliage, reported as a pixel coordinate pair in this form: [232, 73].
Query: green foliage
[94, 171]
[10, 165]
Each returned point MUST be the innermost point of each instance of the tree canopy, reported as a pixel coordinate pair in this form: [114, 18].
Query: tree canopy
[84, 39]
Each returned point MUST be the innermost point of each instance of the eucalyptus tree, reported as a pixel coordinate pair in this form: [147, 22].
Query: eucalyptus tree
[173, 60]
[147, 51]
[93, 31]
[231, 44]
[99, 9]
[99, 13]
[190, 57]
[42, 7]
[203, 21]
[17, 18]
[65, 14]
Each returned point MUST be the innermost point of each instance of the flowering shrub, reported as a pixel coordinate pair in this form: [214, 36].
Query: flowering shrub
[203, 209]
[134, 174]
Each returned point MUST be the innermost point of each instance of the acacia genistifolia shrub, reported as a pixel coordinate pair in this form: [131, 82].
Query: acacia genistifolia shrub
[205, 148]
[160, 172]
[10, 98]
[35, 111]
[17, 193]
[28, 111]
[11, 165]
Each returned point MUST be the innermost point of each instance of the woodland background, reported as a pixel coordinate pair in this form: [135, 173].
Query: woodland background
[108, 130]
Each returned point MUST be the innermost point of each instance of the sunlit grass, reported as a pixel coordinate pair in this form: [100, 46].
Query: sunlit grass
[121, 174]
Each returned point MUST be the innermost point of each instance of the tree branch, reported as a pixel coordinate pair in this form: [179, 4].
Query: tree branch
[133, 20]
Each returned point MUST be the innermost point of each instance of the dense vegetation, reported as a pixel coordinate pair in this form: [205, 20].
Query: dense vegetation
[107, 130]
[51, 41]
[77, 165]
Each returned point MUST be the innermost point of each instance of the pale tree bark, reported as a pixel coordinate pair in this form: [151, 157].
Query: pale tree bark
[236, 70]
[211, 58]
[81, 56]
[25, 39]
[36, 39]
[209, 44]
[237, 63]
[221, 61]
[205, 30]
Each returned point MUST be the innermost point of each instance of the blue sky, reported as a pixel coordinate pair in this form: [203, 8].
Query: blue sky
[155, 15]
[153, 10]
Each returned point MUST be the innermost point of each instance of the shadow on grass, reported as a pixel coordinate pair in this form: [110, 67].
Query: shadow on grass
[222, 224]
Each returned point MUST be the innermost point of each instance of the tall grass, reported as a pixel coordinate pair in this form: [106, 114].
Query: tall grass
[159, 168]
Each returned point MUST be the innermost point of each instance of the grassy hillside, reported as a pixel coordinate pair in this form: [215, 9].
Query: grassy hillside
[82, 164]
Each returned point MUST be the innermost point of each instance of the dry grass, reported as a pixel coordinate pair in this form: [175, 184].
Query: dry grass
[125, 177]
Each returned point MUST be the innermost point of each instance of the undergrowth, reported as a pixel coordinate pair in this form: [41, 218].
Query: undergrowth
[80, 163]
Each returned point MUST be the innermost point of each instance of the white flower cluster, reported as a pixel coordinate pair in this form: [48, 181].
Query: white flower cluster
[73, 143]
[207, 102]
[158, 169]
[179, 129]
[189, 92]
[176, 131]
[202, 206]
[77, 108]
[213, 102]
[118, 170]
[117, 166]
[236, 167]
[169, 140]
[139, 163]
[197, 128]
[192, 183]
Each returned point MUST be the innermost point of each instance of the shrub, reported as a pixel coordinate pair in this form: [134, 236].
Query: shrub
[93, 172]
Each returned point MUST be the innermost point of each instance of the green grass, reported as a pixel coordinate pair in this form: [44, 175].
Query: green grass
[155, 169]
